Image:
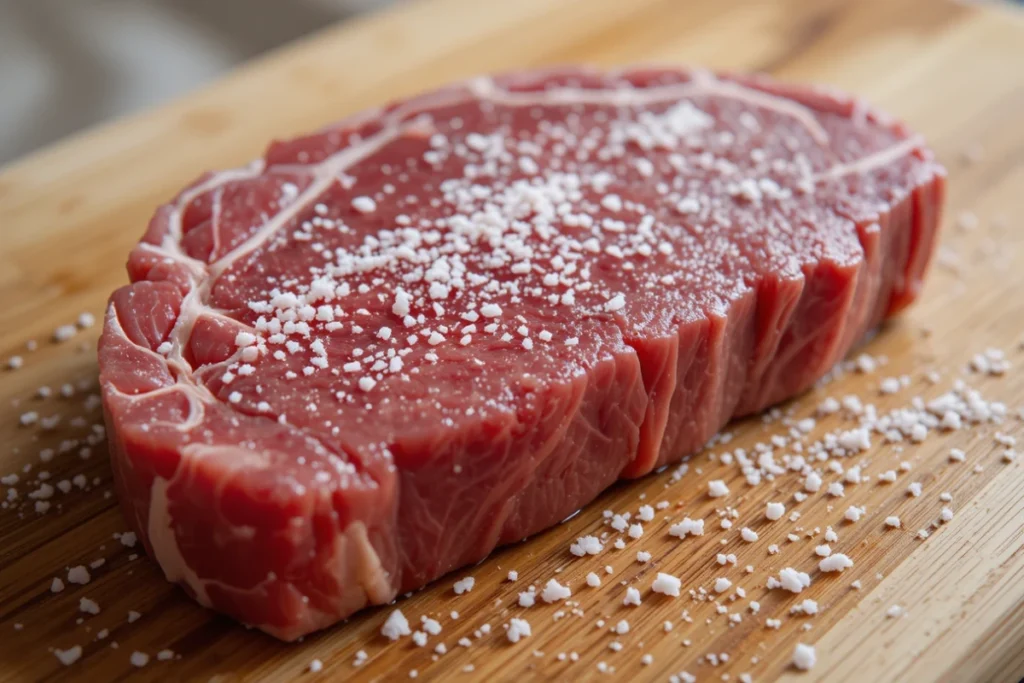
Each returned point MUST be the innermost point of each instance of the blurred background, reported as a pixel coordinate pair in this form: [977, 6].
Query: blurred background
[68, 64]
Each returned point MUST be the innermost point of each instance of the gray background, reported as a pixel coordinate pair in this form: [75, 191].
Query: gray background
[68, 64]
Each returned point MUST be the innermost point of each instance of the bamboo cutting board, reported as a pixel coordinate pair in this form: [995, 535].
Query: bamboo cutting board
[69, 214]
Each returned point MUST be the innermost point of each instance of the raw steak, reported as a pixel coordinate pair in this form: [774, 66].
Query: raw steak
[384, 349]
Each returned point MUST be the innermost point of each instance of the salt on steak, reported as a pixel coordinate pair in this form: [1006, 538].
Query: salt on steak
[386, 348]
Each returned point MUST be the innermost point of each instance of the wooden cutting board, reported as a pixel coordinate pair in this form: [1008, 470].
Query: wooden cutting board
[69, 214]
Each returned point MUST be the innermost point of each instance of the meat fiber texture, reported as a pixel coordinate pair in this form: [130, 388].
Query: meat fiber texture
[384, 349]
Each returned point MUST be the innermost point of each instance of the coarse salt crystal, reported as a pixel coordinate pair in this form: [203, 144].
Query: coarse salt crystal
[79, 575]
[586, 545]
[774, 511]
[804, 657]
[666, 584]
[69, 656]
[517, 629]
[717, 488]
[836, 562]
[554, 591]
[364, 204]
[687, 527]
[395, 626]
[791, 580]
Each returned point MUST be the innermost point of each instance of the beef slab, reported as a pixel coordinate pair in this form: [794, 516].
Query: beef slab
[384, 349]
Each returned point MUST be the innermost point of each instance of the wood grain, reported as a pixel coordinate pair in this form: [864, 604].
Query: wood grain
[69, 214]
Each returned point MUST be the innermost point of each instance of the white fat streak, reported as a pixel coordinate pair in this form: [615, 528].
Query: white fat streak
[872, 161]
[196, 268]
[196, 407]
[165, 543]
[195, 392]
[215, 213]
[702, 83]
[170, 246]
[162, 537]
[325, 173]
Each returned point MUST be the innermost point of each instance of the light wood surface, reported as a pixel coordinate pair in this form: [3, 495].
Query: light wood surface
[69, 214]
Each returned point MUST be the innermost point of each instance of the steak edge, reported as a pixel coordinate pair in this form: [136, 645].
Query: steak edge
[384, 349]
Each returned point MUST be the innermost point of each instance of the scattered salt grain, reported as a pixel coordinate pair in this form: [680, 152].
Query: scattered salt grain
[808, 607]
[836, 562]
[790, 579]
[554, 591]
[517, 629]
[804, 657]
[69, 656]
[79, 575]
[666, 584]
[88, 606]
[717, 488]
[687, 527]
[64, 333]
[774, 511]
[395, 626]
[364, 204]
